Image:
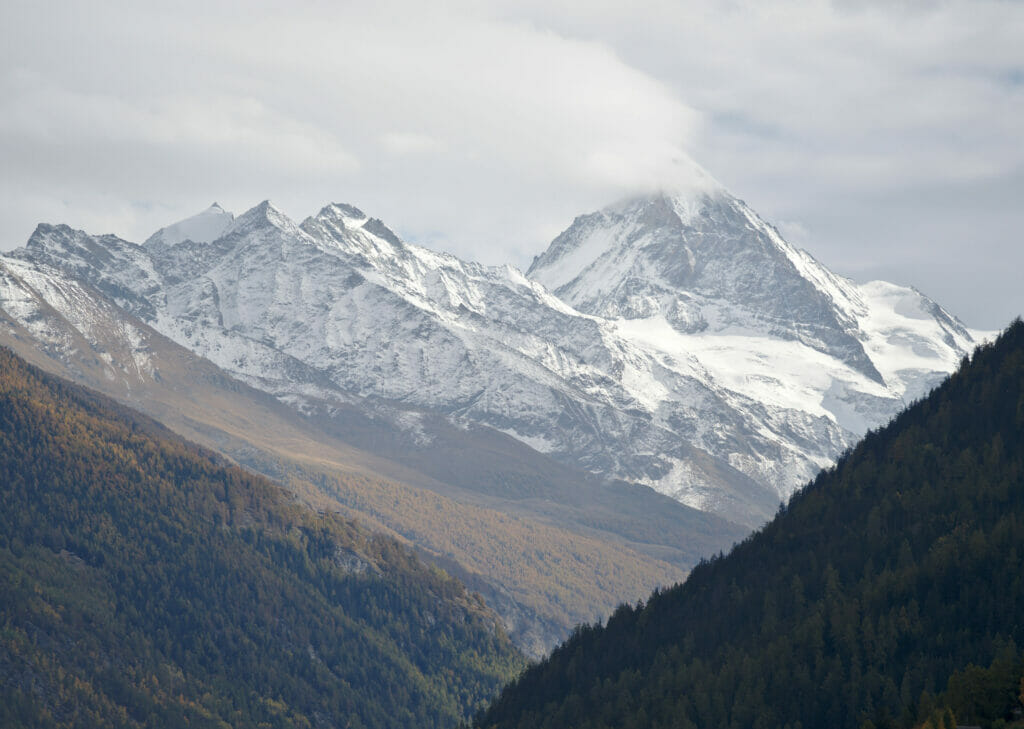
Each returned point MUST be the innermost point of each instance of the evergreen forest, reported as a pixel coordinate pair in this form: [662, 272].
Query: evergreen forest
[144, 582]
[888, 593]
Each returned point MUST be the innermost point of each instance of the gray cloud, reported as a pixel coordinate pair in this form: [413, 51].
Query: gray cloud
[885, 137]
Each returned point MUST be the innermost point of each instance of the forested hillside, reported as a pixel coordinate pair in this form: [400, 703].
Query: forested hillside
[884, 582]
[145, 583]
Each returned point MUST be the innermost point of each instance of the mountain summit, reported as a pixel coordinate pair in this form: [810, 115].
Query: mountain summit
[679, 255]
[705, 262]
[203, 227]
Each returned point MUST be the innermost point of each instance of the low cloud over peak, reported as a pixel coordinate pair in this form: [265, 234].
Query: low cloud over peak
[484, 128]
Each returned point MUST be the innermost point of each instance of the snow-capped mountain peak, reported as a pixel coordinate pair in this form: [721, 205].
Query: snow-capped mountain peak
[702, 261]
[264, 215]
[204, 227]
[342, 214]
[351, 219]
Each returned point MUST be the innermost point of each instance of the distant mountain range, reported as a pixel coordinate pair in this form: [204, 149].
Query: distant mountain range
[673, 341]
[702, 354]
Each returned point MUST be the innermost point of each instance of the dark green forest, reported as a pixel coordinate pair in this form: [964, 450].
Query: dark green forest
[144, 582]
[889, 592]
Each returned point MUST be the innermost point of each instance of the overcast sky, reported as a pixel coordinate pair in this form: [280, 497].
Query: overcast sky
[885, 138]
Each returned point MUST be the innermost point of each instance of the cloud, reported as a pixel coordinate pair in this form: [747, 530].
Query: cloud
[887, 129]
[235, 128]
[452, 121]
[830, 81]
[484, 128]
[402, 144]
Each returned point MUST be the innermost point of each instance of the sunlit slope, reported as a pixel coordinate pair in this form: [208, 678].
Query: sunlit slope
[147, 583]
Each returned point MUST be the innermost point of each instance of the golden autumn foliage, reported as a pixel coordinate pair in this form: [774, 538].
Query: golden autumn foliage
[145, 582]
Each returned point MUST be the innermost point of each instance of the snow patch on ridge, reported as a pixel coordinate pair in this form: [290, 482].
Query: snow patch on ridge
[204, 227]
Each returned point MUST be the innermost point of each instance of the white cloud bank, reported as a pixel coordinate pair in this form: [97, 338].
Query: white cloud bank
[458, 125]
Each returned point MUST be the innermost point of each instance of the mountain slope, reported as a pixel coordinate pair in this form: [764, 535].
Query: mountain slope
[891, 571]
[148, 584]
[475, 501]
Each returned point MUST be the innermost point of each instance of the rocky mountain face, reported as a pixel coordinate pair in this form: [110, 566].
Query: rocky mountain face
[674, 340]
[808, 359]
[703, 262]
